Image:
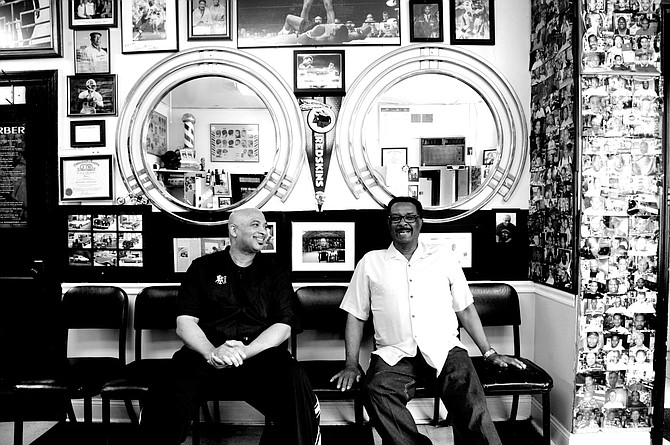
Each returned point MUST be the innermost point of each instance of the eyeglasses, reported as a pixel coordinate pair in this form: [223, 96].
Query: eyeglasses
[409, 219]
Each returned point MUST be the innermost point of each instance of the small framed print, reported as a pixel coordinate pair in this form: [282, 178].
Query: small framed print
[91, 94]
[318, 72]
[413, 191]
[101, 14]
[271, 240]
[394, 156]
[426, 21]
[86, 178]
[234, 143]
[224, 201]
[209, 20]
[489, 157]
[472, 22]
[413, 174]
[146, 28]
[91, 51]
[87, 133]
[322, 246]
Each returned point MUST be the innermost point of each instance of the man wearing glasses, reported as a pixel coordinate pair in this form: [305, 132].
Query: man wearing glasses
[419, 295]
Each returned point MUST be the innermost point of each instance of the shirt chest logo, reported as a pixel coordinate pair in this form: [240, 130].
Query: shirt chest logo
[221, 279]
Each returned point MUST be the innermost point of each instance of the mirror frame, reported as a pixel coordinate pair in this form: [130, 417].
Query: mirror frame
[152, 86]
[463, 65]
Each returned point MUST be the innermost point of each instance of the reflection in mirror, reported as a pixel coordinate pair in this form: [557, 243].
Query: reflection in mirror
[209, 142]
[433, 136]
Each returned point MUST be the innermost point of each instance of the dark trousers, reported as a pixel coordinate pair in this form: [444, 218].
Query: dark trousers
[272, 382]
[388, 389]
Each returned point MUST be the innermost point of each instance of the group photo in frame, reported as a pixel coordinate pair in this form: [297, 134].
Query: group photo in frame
[34, 29]
[322, 246]
[426, 21]
[472, 22]
[272, 23]
[146, 28]
[91, 94]
[86, 178]
[85, 14]
[209, 20]
[318, 72]
[91, 51]
[89, 133]
[234, 142]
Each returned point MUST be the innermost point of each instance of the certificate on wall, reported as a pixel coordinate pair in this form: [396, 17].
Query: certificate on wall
[86, 177]
[233, 142]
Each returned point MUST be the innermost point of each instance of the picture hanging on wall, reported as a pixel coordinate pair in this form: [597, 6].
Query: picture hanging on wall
[472, 22]
[33, 29]
[86, 177]
[275, 23]
[322, 246]
[91, 15]
[90, 133]
[234, 142]
[271, 241]
[210, 20]
[146, 29]
[91, 51]
[318, 72]
[426, 21]
[91, 94]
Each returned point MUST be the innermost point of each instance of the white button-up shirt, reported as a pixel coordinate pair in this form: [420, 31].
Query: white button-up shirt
[413, 303]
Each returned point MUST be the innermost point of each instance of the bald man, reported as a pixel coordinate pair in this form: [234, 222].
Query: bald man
[234, 310]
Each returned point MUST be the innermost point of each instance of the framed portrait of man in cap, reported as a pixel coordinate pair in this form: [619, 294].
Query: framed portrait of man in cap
[91, 51]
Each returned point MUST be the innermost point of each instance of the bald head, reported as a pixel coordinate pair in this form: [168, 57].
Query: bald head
[247, 229]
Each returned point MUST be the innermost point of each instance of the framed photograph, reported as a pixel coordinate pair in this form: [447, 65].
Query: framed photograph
[188, 249]
[224, 201]
[394, 156]
[86, 177]
[147, 28]
[460, 243]
[91, 94]
[277, 23]
[489, 157]
[233, 142]
[101, 14]
[271, 241]
[87, 133]
[156, 142]
[209, 20]
[413, 191]
[318, 72]
[91, 51]
[243, 185]
[322, 246]
[472, 22]
[426, 21]
[413, 174]
[32, 29]
[506, 229]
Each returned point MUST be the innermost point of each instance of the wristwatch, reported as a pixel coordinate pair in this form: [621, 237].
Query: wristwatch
[489, 353]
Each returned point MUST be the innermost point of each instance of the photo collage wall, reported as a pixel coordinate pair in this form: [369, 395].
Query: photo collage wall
[621, 178]
[552, 145]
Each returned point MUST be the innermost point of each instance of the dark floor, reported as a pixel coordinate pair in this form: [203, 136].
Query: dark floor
[517, 433]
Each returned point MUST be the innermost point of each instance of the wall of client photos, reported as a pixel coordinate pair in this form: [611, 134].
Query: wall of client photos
[621, 177]
[552, 145]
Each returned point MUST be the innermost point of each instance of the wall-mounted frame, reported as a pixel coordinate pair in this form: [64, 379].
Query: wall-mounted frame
[426, 21]
[234, 142]
[275, 23]
[91, 51]
[318, 72]
[271, 241]
[489, 156]
[213, 22]
[103, 16]
[472, 22]
[91, 94]
[242, 185]
[506, 226]
[413, 174]
[142, 31]
[322, 246]
[394, 156]
[34, 29]
[458, 242]
[90, 133]
[188, 249]
[86, 178]
[413, 191]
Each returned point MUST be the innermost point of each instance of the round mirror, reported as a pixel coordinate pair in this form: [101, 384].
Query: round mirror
[209, 130]
[435, 122]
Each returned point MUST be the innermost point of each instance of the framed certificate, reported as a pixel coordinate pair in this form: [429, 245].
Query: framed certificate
[86, 178]
[87, 133]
